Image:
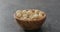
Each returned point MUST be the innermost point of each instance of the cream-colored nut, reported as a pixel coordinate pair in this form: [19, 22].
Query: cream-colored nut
[18, 11]
[18, 15]
[24, 12]
[41, 14]
[37, 11]
[35, 16]
[29, 12]
[24, 15]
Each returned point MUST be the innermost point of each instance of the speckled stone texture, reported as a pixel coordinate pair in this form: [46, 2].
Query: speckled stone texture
[8, 8]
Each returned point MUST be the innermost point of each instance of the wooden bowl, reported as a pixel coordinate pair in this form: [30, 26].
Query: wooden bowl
[31, 25]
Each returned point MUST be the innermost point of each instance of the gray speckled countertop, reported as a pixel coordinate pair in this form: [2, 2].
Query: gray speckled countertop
[8, 8]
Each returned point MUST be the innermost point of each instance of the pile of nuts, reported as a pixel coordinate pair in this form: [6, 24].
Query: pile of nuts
[29, 14]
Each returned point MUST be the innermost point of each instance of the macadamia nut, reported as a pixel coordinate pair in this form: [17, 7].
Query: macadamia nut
[31, 14]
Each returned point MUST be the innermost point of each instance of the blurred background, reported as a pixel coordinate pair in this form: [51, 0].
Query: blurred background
[8, 8]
